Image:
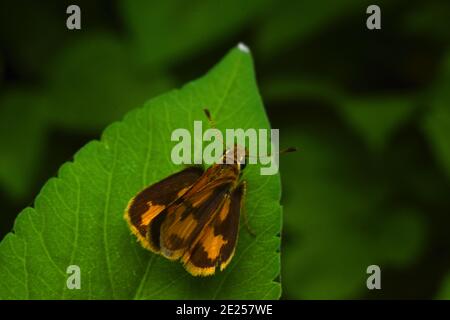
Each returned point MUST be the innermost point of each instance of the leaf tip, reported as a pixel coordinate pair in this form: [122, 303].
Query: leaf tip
[243, 47]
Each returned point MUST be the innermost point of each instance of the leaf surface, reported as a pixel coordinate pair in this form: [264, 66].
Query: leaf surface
[77, 218]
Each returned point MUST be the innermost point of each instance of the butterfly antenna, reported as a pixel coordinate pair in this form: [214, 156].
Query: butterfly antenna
[210, 120]
[212, 124]
[287, 150]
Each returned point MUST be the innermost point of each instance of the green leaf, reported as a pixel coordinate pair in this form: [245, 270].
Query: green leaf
[29, 50]
[437, 121]
[444, 292]
[377, 118]
[374, 118]
[292, 22]
[428, 20]
[336, 223]
[22, 135]
[94, 82]
[90, 84]
[298, 87]
[77, 218]
[437, 126]
[163, 32]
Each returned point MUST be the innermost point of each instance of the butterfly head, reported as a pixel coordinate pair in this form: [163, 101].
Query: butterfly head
[237, 155]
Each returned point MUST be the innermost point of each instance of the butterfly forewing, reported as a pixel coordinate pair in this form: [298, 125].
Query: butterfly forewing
[151, 202]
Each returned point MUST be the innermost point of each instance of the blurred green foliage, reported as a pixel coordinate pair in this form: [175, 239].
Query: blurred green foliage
[22, 135]
[368, 110]
[95, 82]
[437, 119]
[184, 28]
[340, 218]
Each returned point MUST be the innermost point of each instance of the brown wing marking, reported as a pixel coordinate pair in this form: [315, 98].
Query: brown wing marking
[148, 204]
[216, 244]
[184, 221]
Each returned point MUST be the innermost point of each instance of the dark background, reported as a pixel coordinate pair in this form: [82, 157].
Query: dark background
[368, 109]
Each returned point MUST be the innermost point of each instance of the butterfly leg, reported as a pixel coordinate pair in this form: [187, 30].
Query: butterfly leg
[244, 212]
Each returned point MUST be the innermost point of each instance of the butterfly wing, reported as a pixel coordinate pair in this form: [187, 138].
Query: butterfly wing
[146, 207]
[184, 221]
[228, 225]
[215, 244]
[203, 229]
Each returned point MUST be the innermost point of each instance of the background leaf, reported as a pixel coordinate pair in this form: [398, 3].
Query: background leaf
[90, 84]
[437, 121]
[294, 21]
[335, 223]
[368, 110]
[166, 31]
[78, 216]
[94, 82]
[444, 293]
[376, 118]
[428, 20]
[22, 116]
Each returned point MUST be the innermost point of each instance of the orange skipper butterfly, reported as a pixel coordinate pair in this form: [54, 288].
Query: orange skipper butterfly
[193, 215]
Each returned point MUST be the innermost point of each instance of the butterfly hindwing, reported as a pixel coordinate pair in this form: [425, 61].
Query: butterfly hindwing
[215, 244]
[229, 227]
[146, 207]
[184, 221]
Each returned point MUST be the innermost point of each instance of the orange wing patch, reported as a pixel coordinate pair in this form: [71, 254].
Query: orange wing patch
[151, 213]
[149, 204]
[210, 248]
[185, 222]
[192, 216]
